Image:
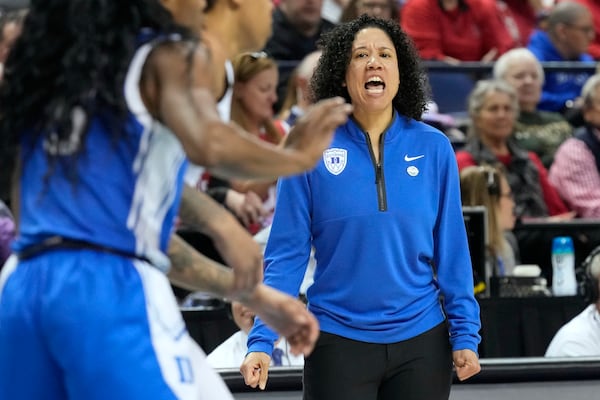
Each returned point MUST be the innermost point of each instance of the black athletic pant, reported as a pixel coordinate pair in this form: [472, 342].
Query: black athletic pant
[416, 369]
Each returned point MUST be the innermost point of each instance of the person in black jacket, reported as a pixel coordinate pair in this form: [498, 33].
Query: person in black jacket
[297, 25]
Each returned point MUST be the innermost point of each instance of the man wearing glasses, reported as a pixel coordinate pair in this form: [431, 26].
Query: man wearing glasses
[570, 30]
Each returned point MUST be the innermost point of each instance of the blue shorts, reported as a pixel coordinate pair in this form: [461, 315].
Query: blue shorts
[82, 324]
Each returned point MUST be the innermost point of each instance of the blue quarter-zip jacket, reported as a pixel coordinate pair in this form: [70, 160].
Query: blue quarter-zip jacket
[377, 230]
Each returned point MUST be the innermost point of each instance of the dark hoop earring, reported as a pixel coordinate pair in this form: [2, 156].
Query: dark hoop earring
[492, 183]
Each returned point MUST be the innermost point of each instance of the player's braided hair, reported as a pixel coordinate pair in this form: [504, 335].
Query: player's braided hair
[71, 55]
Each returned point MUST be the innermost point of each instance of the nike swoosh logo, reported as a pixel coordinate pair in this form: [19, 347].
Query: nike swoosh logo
[409, 159]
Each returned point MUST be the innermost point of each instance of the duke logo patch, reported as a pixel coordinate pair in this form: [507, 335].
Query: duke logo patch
[335, 160]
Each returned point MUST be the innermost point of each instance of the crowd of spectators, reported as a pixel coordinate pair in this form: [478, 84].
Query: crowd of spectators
[519, 35]
[514, 39]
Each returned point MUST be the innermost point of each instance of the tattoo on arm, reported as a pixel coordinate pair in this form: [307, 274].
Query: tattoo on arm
[198, 210]
[193, 271]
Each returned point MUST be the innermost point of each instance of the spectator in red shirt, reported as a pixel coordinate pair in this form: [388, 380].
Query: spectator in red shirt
[526, 14]
[456, 30]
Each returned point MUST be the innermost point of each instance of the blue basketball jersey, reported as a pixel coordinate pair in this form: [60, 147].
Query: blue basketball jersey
[85, 323]
[126, 192]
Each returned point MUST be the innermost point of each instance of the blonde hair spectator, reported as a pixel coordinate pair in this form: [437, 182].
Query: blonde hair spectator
[248, 66]
[487, 186]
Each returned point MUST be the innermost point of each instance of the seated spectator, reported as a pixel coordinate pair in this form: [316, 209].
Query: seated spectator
[297, 25]
[298, 97]
[535, 130]
[232, 351]
[576, 169]
[7, 232]
[594, 7]
[487, 186]
[580, 337]
[254, 94]
[570, 30]
[386, 9]
[493, 107]
[456, 30]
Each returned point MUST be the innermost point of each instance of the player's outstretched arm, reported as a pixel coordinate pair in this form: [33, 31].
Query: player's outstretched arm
[180, 95]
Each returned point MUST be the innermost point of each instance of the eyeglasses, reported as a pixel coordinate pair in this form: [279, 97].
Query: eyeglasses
[508, 195]
[586, 30]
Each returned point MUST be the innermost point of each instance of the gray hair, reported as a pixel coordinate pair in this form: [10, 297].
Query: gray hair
[588, 91]
[480, 92]
[486, 86]
[565, 13]
[511, 57]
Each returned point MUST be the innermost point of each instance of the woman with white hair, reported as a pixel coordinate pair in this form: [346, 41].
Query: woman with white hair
[535, 130]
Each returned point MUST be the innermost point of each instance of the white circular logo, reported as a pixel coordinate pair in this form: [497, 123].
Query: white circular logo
[412, 170]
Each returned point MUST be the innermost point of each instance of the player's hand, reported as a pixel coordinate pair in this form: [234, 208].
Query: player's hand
[466, 363]
[255, 369]
[313, 132]
[288, 316]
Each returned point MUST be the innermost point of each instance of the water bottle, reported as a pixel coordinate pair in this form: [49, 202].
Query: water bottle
[563, 267]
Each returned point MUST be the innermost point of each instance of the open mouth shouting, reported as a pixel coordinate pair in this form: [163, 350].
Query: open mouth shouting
[375, 85]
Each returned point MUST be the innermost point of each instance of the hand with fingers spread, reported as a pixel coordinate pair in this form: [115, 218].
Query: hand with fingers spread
[255, 369]
[466, 363]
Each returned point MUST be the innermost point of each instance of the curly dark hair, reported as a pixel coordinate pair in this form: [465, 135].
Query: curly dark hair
[71, 54]
[330, 73]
